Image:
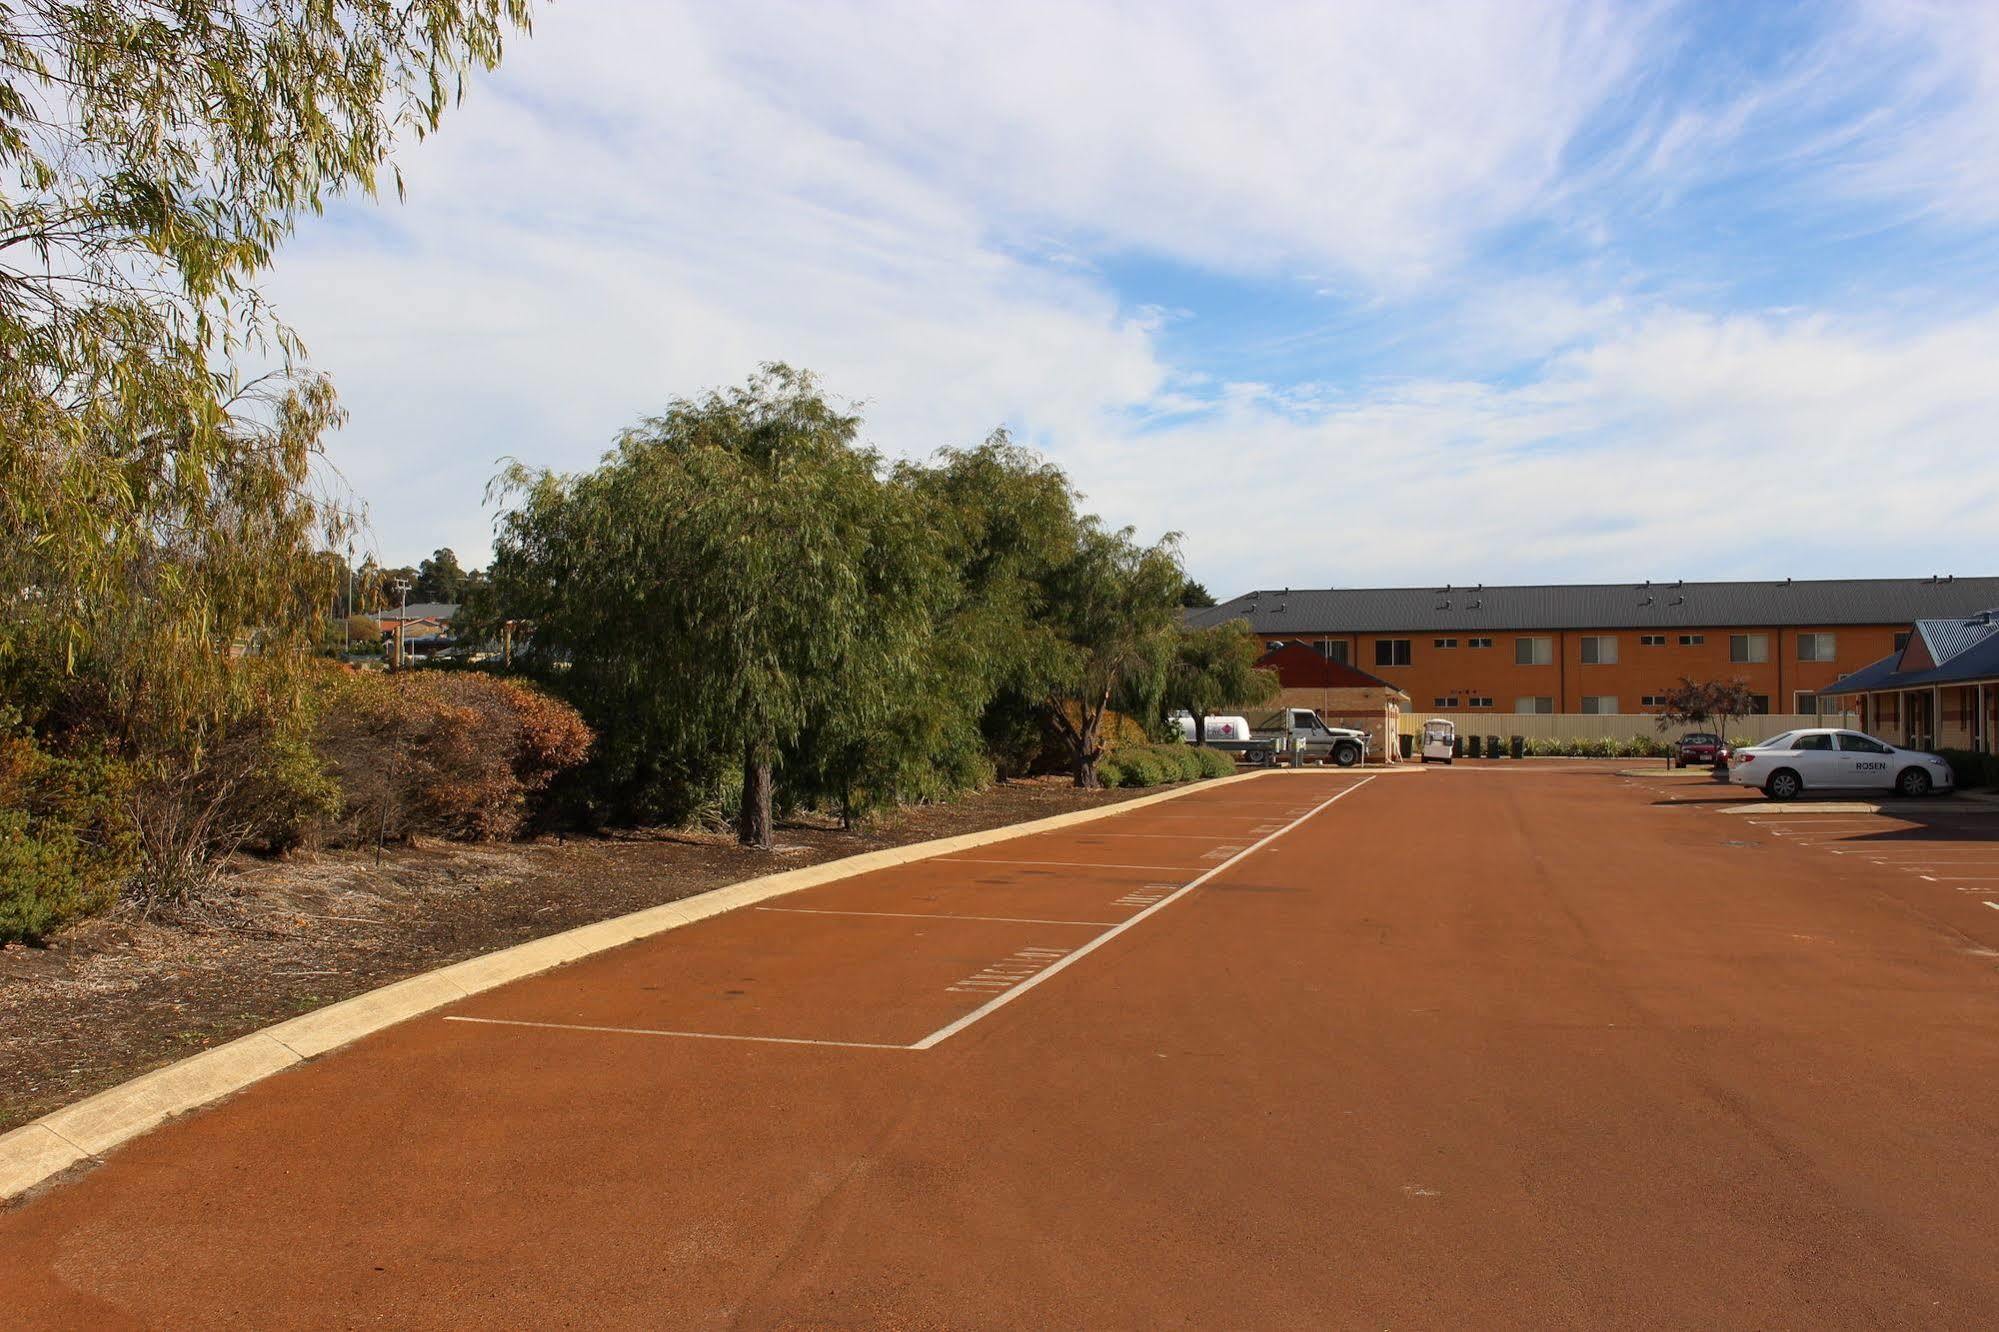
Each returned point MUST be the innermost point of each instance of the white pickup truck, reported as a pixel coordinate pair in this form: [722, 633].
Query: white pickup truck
[1282, 731]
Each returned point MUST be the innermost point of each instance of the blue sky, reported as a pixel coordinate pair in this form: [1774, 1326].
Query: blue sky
[1344, 294]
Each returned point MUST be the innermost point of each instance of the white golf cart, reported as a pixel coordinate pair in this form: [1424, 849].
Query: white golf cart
[1439, 740]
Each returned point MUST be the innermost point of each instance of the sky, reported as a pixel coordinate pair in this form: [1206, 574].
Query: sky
[1344, 294]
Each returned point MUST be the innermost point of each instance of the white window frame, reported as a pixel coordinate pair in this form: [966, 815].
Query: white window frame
[1598, 644]
[1693, 640]
[1540, 653]
[1408, 651]
[1533, 702]
[1755, 649]
[1478, 642]
[1593, 705]
[1651, 640]
[1825, 647]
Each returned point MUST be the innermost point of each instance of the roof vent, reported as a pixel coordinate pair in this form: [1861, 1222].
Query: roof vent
[1677, 601]
[1445, 604]
[1476, 603]
[1646, 602]
[1279, 610]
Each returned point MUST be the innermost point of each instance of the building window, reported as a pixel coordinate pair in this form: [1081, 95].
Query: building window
[1810, 704]
[1595, 705]
[1651, 640]
[1447, 642]
[1759, 705]
[1478, 642]
[1333, 649]
[1652, 701]
[1599, 650]
[1540, 704]
[1816, 647]
[1478, 702]
[1445, 703]
[1534, 651]
[1692, 640]
[1749, 647]
[1391, 652]
[1901, 641]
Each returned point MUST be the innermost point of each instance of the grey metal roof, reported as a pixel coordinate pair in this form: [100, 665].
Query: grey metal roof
[1667, 605]
[1948, 637]
[1965, 647]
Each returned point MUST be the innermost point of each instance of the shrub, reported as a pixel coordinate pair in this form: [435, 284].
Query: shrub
[1971, 769]
[1544, 747]
[453, 754]
[1214, 763]
[64, 840]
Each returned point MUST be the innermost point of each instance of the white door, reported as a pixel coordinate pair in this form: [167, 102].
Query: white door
[1815, 760]
[1865, 761]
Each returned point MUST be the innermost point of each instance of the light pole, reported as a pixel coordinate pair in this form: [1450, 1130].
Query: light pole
[402, 586]
[347, 620]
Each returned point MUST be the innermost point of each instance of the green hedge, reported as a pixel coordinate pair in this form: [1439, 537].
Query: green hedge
[1157, 765]
[1972, 769]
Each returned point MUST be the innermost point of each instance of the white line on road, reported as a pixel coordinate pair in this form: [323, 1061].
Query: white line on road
[930, 915]
[1000, 1001]
[1071, 864]
[696, 1035]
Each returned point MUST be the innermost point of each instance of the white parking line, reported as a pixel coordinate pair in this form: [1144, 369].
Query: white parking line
[1070, 864]
[930, 915]
[696, 1035]
[997, 1002]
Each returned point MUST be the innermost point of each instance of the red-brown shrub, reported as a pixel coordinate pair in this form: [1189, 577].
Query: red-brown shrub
[446, 753]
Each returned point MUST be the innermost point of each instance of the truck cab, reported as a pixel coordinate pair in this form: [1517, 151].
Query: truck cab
[1307, 734]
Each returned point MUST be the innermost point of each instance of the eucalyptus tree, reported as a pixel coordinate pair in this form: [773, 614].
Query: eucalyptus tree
[1215, 668]
[1113, 605]
[157, 508]
[736, 576]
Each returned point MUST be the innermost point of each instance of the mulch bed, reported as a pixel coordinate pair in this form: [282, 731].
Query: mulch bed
[118, 996]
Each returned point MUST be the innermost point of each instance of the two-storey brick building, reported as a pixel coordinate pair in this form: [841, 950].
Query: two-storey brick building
[1605, 647]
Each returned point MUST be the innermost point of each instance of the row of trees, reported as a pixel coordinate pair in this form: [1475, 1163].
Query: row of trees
[742, 586]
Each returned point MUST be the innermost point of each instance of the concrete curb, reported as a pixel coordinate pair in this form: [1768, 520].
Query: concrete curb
[86, 1130]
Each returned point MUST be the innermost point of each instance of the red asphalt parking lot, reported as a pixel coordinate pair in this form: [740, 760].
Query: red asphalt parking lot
[1481, 1046]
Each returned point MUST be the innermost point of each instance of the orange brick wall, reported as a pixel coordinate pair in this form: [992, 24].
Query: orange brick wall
[1465, 672]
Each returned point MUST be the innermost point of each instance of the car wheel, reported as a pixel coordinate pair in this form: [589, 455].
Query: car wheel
[1347, 755]
[1783, 785]
[1913, 783]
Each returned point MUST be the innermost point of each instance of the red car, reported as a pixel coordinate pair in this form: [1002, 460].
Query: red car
[1698, 747]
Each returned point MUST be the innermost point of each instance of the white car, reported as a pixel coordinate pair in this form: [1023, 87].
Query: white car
[1823, 759]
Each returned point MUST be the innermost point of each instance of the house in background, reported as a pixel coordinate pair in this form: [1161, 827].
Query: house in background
[424, 627]
[1342, 695]
[1940, 690]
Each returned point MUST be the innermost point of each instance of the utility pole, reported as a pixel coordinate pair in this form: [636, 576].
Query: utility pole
[347, 620]
[402, 622]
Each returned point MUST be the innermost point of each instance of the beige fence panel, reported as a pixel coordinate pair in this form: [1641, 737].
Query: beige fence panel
[1609, 726]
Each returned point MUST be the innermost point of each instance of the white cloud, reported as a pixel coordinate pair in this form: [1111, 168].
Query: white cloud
[921, 202]
[1682, 446]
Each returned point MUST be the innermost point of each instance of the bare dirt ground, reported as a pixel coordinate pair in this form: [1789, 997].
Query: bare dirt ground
[119, 996]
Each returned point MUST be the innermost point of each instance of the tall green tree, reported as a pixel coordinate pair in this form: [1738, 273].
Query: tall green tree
[736, 574]
[158, 512]
[1215, 668]
[439, 578]
[1112, 605]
